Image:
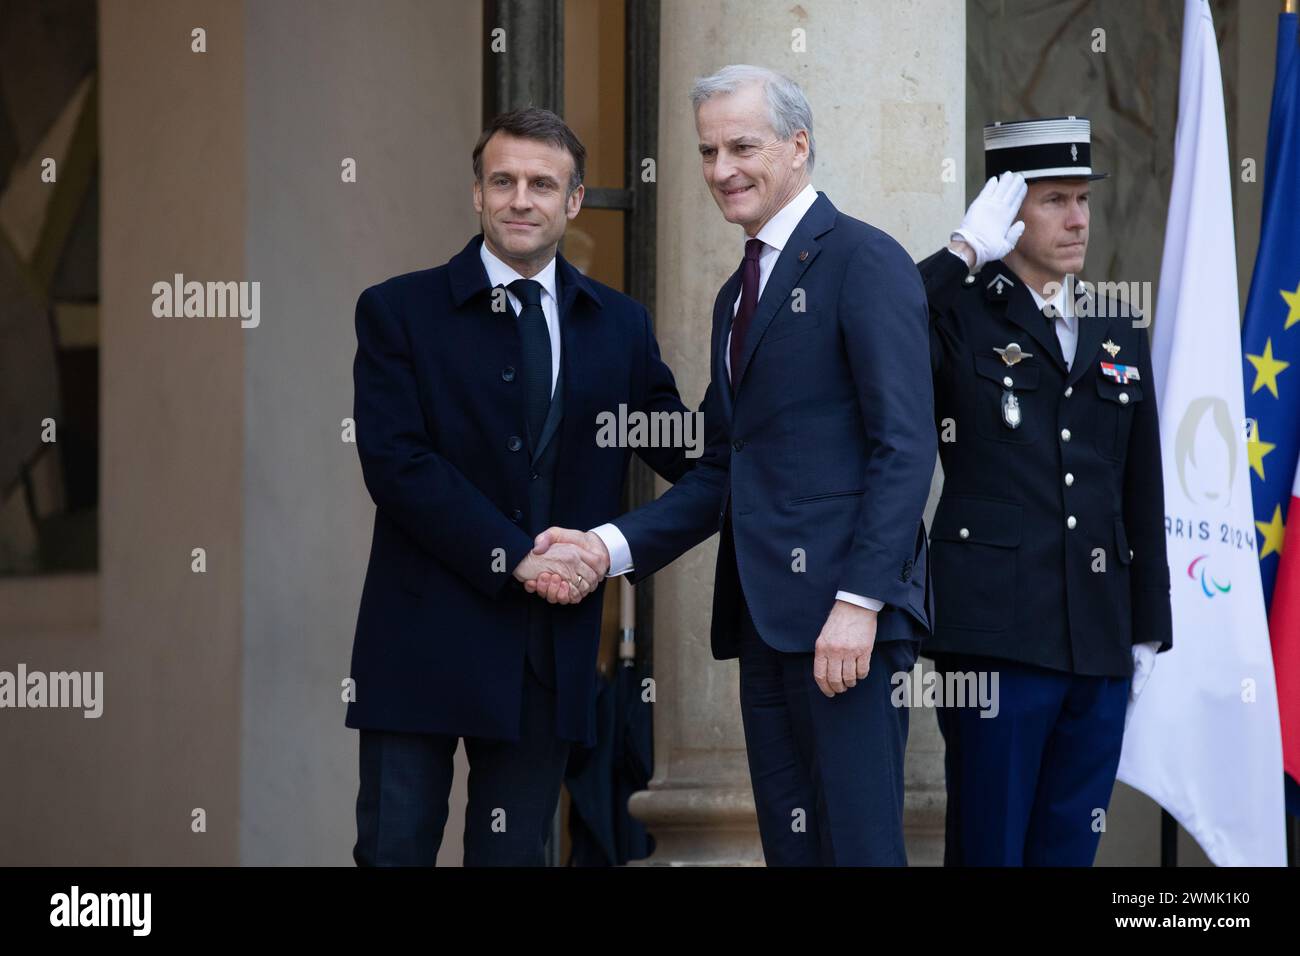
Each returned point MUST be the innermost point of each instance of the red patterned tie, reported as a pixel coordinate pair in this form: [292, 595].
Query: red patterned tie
[748, 304]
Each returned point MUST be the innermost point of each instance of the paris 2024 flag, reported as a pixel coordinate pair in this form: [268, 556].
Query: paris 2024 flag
[1203, 739]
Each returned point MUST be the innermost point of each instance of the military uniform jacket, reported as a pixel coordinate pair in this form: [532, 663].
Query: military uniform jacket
[1048, 545]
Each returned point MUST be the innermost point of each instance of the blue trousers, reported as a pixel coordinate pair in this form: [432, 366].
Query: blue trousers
[1030, 786]
[827, 772]
[513, 790]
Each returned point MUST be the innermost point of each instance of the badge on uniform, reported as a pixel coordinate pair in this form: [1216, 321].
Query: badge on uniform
[1010, 409]
[1122, 374]
[1012, 354]
[1110, 347]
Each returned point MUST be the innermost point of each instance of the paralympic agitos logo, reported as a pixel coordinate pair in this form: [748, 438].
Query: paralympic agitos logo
[1209, 586]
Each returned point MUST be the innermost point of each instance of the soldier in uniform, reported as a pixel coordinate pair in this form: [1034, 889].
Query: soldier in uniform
[1048, 545]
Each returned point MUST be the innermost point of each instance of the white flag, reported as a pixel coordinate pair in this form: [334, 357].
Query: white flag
[1204, 740]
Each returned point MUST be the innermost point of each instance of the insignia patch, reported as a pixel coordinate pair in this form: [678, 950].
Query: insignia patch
[999, 284]
[1012, 353]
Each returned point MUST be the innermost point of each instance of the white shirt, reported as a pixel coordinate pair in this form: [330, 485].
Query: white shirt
[774, 235]
[501, 274]
[1066, 324]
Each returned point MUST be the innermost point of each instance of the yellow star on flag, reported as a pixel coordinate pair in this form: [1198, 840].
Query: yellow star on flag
[1272, 532]
[1266, 369]
[1256, 449]
[1293, 300]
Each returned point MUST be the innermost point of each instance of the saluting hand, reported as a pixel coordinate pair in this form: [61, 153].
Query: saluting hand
[990, 229]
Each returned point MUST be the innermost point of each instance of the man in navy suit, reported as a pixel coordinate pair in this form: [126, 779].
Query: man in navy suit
[479, 385]
[820, 449]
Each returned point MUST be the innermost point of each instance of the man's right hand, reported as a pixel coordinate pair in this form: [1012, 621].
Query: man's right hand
[570, 573]
[592, 549]
[990, 229]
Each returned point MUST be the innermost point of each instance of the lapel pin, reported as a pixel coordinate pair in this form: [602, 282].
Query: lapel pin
[1012, 353]
[803, 255]
[1110, 347]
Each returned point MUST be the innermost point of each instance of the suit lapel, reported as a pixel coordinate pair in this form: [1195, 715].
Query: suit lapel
[799, 253]
[1093, 329]
[566, 414]
[722, 317]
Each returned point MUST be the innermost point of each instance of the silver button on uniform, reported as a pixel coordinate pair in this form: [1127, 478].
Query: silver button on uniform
[1070, 522]
[1069, 390]
[1065, 434]
[1123, 398]
[1069, 479]
[1006, 380]
[964, 533]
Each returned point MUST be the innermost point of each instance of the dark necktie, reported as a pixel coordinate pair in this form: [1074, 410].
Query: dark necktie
[536, 342]
[748, 304]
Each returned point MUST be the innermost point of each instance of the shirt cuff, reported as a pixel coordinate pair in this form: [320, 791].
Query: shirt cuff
[954, 252]
[871, 604]
[620, 554]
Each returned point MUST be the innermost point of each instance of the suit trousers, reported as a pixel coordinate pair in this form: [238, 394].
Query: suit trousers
[514, 787]
[1031, 785]
[827, 772]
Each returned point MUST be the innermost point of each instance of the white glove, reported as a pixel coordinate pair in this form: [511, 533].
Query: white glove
[990, 227]
[1144, 658]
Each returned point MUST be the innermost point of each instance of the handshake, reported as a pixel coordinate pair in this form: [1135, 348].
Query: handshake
[564, 565]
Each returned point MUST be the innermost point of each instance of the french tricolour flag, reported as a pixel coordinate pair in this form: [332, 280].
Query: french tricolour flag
[1284, 627]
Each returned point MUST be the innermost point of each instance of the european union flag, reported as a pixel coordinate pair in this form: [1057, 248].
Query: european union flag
[1270, 336]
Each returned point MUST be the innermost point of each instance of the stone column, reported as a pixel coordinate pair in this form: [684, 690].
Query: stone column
[887, 87]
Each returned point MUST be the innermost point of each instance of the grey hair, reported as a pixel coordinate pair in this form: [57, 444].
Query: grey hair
[787, 106]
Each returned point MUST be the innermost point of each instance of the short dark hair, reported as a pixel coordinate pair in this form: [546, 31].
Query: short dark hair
[538, 124]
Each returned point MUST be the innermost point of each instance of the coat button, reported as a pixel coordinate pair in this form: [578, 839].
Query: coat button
[1065, 434]
[1006, 380]
[1069, 390]
[738, 444]
[1130, 554]
[1070, 522]
[1069, 479]
[969, 280]
[514, 443]
[516, 516]
[507, 374]
[534, 476]
[1123, 398]
[964, 533]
